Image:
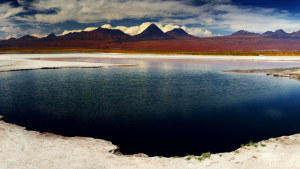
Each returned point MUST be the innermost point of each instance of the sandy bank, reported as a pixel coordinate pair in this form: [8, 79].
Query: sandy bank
[24, 149]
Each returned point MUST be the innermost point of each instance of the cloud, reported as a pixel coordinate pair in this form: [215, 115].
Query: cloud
[90, 29]
[10, 32]
[128, 30]
[253, 19]
[7, 12]
[215, 1]
[70, 31]
[198, 32]
[11, 29]
[91, 11]
[234, 18]
[16, 32]
[11, 36]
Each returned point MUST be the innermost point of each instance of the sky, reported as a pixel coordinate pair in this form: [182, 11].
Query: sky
[200, 18]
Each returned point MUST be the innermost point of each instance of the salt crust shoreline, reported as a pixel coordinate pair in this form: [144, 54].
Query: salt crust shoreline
[14, 62]
[24, 149]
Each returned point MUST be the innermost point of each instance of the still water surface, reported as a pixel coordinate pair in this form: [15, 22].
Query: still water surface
[163, 108]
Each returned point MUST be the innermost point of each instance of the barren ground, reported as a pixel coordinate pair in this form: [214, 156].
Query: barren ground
[22, 149]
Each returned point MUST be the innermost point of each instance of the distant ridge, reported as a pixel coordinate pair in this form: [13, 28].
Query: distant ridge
[268, 32]
[178, 32]
[28, 37]
[110, 31]
[279, 34]
[71, 33]
[101, 34]
[12, 39]
[297, 33]
[243, 32]
[152, 33]
[51, 35]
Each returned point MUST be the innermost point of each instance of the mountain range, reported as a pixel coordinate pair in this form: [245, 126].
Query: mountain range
[269, 34]
[152, 38]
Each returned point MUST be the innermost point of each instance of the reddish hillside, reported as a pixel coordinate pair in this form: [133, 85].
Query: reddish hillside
[217, 44]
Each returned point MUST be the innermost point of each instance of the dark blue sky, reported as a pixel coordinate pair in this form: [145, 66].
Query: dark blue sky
[197, 17]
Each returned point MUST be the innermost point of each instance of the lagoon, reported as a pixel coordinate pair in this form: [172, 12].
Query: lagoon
[161, 108]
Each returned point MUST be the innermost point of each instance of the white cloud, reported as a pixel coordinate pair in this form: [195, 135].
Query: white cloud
[11, 36]
[11, 29]
[216, 1]
[56, 30]
[234, 18]
[198, 32]
[90, 29]
[10, 32]
[6, 12]
[70, 31]
[91, 11]
[254, 19]
[15, 32]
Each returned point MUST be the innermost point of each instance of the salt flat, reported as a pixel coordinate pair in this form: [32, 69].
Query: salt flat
[9, 62]
[13, 62]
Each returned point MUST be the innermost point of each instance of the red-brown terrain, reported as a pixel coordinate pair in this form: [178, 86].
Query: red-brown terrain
[154, 39]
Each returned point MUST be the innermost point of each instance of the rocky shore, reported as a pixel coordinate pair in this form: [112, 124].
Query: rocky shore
[291, 73]
[23, 149]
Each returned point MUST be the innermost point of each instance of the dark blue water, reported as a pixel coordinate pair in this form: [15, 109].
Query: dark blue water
[157, 111]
